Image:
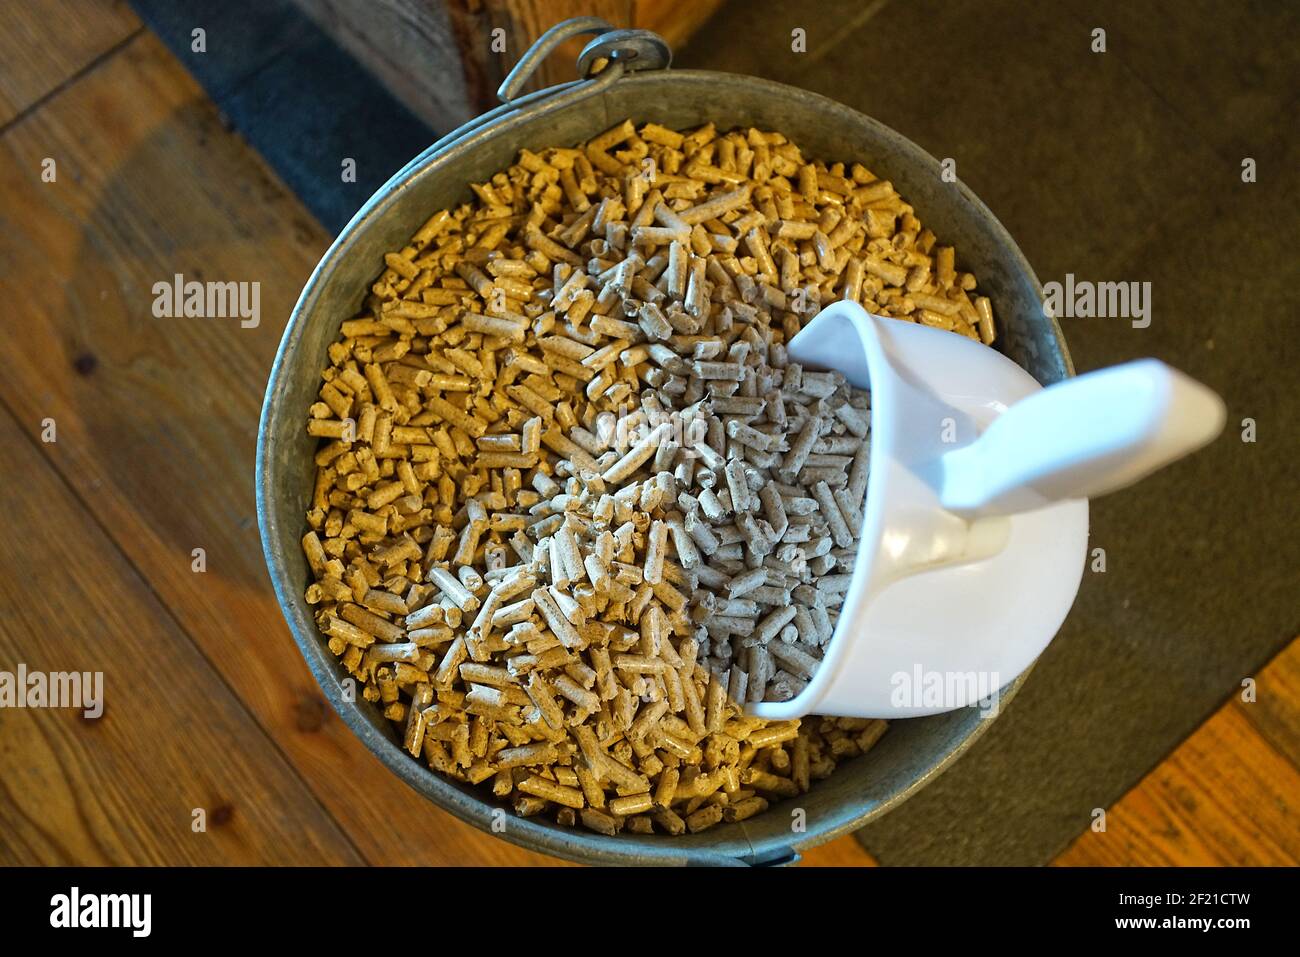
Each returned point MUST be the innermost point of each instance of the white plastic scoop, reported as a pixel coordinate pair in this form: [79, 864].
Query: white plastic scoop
[975, 526]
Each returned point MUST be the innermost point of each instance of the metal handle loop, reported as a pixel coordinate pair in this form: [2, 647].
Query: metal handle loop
[543, 47]
[634, 49]
[629, 49]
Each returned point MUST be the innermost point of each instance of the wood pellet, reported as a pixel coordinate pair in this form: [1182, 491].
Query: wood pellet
[575, 506]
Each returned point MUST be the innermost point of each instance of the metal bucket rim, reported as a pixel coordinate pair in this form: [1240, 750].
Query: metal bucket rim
[460, 800]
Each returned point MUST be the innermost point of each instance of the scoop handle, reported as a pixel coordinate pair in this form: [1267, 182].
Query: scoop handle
[1081, 438]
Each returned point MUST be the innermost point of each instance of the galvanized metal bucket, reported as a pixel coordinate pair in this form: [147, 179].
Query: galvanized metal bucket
[635, 83]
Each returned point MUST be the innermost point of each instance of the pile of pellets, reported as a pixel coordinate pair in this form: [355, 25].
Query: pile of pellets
[575, 505]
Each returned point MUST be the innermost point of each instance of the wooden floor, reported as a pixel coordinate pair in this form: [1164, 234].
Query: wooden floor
[209, 705]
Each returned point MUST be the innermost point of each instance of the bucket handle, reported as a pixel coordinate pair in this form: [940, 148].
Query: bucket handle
[629, 50]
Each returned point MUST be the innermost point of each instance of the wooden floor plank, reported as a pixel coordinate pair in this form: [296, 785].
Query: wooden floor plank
[1228, 795]
[842, 852]
[122, 788]
[43, 43]
[1275, 712]
[157, 417]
